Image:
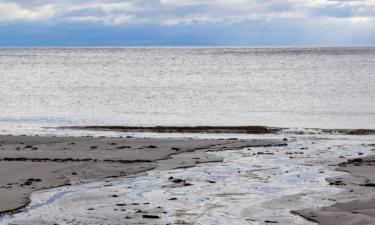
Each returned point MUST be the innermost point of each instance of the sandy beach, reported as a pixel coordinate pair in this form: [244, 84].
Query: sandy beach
[321, 178]
[34, 163]
[361, 181]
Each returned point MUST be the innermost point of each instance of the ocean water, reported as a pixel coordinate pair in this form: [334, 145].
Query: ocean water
[283, 87]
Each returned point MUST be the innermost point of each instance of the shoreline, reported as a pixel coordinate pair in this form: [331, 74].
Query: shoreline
[39, 163]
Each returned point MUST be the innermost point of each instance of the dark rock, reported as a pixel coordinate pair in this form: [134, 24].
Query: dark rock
[368, 185]
[178, 181]
[151, 146]
[27, 183]
[150, 217]
[355, 160]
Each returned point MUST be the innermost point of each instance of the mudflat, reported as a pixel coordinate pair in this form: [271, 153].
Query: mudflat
[30, 163]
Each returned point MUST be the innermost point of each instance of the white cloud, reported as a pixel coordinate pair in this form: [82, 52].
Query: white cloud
[183, 11]
[12, 11]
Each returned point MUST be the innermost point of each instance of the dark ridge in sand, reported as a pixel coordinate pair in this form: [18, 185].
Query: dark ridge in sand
[356, 212]
[339, 131]
[173, 129]
[215, 129]
[351, 131]
[29, 163]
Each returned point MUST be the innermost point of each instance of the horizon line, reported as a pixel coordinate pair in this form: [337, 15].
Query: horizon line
[180, 46]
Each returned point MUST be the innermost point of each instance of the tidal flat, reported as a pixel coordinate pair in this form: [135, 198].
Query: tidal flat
[288, 178]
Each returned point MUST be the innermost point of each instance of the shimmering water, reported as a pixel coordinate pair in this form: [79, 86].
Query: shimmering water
[287, 87]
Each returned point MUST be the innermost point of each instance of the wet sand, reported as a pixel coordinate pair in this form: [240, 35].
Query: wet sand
[358, 207]
[256, 185]
[28, 163]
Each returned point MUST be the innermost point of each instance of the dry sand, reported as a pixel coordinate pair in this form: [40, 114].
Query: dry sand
[28, 164]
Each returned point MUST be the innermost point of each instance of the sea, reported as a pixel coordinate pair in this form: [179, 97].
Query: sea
[289, 87]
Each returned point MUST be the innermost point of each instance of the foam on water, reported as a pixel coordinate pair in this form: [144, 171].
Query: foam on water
[250, 186]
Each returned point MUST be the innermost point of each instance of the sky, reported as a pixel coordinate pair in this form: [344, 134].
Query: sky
[187, 23]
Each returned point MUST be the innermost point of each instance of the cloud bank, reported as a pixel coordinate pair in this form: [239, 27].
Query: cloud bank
[186, 22]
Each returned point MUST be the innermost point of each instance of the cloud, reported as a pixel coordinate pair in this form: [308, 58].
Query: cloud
[254, 22]
[184, 11]
[14, 12]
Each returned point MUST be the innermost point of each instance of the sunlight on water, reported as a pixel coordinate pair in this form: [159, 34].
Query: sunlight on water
[286, 87]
